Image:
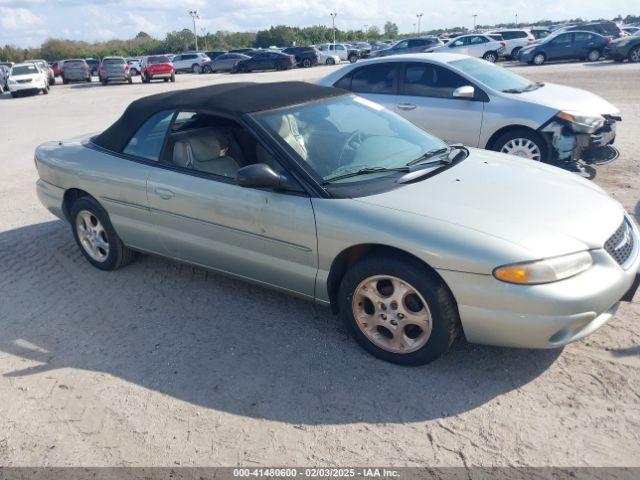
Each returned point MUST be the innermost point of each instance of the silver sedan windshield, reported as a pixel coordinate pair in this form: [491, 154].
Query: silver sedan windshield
[491, 75]
[348, 134]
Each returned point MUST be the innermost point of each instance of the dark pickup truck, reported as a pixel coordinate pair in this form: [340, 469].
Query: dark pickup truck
[305, 56]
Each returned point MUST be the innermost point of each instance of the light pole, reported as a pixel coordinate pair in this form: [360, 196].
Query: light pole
[194, 14]
[475, 15]
[516, 20]
[333, 25]
[419, 16]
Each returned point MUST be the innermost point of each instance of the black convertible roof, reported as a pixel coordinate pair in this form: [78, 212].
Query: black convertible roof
[229, 99]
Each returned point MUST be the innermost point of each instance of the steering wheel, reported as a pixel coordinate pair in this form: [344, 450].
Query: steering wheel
[352, 143]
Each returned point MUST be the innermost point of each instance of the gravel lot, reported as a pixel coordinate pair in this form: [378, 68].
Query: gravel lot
[162, 364]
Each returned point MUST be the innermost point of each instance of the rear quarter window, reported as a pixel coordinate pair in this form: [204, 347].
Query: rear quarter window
[148, 140]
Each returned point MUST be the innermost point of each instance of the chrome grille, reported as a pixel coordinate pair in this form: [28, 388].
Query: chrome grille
[620, 244]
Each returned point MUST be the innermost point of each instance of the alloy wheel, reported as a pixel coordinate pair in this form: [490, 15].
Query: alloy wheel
[490, 57]
[538, 59]
[594, 56]
[634, 55]
[522, 147]
[92, 235]
[392, 314]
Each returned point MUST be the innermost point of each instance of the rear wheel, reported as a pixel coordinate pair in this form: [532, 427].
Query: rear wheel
[65, 81]
[491, 57]
[104, 81]
[45, 90]
[398, 310]
[594, 55]
[522, 143]
[173, 77]
[130, 80]
[195, 68]
[96, 237]
[306, 63]
[539, 58]
[353, 58]
[330, 61]
[634, 55]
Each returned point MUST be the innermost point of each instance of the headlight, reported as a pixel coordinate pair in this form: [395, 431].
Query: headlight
[582, 123]
[545, 271]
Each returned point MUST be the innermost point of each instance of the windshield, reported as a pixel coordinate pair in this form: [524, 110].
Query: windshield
[349, 134]
[156, 60]
[74, 63]
[114, 61]
[493, 76]
[24, 70]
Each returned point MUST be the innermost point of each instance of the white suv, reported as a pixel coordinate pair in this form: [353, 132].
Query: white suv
[340, 49]
[190, 62]
[474, 45]
[515, 40]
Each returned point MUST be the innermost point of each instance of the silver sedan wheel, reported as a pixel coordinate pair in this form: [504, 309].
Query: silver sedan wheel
[538, 59]
[522, 147]
[634, 56]
[392, 314]
[92, 235]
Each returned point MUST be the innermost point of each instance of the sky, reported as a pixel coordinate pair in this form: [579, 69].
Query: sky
[27, 23]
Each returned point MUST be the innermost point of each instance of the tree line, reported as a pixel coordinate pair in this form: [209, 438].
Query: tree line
[183, 40]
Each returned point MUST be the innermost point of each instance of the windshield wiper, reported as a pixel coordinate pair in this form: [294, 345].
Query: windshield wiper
[449, 149]
[366, 171]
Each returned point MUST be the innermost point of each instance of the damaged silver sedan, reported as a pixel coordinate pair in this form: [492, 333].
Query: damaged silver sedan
[471, 101]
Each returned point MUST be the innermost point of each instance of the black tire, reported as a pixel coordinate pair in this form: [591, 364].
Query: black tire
[145, 79]
[88, 80]
[14, 95]
[130, 80]
[45, 91]
[104, 81]
[515, 53]
[306, 63]
[444, 312]
[593, 55]
[330, 61]
[491, 57]
[64, 81]
[195, 68]
[166, 80]
[52, 81]
[634, 55]
[119, 255]
[353, 58]
[206, 69]
[173, 77]
[523, 133]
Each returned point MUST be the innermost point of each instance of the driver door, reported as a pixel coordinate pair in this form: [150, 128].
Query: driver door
[377, 82]
[459, 45]
[206, 219]
[426, 100]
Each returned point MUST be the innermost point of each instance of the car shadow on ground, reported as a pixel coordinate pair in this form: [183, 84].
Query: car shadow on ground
[224, 344]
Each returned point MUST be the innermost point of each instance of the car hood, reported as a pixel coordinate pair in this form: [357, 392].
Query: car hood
[542, 209]
[560, 97]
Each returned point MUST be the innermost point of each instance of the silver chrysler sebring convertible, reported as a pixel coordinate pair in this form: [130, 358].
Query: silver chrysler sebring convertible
[326, 195]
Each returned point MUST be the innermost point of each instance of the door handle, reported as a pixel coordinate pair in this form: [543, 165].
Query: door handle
[163, 193]
[406, 106]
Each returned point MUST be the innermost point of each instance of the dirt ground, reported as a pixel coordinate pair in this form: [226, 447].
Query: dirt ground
[161, 364]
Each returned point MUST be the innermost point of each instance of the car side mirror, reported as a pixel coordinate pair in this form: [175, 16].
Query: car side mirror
[466, 91]
[260, 175]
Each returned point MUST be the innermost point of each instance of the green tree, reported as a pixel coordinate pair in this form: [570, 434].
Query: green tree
[390, 30]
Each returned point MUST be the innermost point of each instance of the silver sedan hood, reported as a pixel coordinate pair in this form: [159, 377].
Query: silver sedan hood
[540, 208]
[560, 97]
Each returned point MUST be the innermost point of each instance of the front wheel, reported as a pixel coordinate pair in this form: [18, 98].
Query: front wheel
[96, 237]
[206, 69]
[515, 53]
[539, 59]
[398, 310]
[634, 55]
[491, 57]
[594, 55]
[522, 143]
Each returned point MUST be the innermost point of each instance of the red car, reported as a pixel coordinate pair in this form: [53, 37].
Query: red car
[55, 66]
[157, 67]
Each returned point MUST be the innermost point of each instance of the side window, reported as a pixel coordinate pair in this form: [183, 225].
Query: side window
[378, 78]
[562, 39]
[344, 82]
[403, 44]
[582, 36]
[478, 40]
[340, 47]
[177, 58]
[426, 80]
[457, 43]
[148, 140]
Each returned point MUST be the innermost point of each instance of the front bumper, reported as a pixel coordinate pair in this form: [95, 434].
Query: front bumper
[565, 144]
[541, 316]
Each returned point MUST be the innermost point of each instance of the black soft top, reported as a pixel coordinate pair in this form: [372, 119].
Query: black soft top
[227, 99]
